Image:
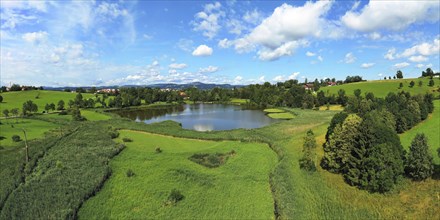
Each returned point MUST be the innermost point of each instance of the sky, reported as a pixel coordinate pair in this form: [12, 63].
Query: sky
[103, 43]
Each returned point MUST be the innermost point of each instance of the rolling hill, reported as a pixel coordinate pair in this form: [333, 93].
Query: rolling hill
[381, 88]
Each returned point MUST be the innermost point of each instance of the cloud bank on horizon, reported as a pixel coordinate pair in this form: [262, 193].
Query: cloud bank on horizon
[79, 43]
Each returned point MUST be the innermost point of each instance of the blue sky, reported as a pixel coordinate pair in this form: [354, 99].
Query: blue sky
[84, 43]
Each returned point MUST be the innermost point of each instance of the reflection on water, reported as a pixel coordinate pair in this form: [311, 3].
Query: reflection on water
[202, 117]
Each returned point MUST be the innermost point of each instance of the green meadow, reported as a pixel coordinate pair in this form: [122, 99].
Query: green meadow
[261, 180]
[238, 189]
[276, 113]
[16, 99]
[34, 129]
[381, 88]
[94, 115]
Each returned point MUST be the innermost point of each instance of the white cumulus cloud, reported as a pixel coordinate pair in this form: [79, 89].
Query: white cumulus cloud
[390, 55]
[209, 69]
[425, 49]
[367, 65]
[35, 37]
[310, 54]
[284, 31]
[401, 65]
[391, 15]
[207, 21]
[418, 59]
[178, 66]
[202, 50]
[349, 58]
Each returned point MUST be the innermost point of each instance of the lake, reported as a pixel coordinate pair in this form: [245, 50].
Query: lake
[202, 117]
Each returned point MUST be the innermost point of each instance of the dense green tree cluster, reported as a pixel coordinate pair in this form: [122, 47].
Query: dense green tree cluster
[407, 110]
[288, 94]
[29, 107]
[428, 73]
[362, 142]
[352, 79]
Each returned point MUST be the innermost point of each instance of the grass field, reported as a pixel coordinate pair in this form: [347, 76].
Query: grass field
[332, 108]
[239, 101]
[276, 113]
[273, 110]
[94, 116]
[34, 129]
[282, 115]
[431, 128]
[381, 88]
[239, 189]
[16, 99]
[321, 195]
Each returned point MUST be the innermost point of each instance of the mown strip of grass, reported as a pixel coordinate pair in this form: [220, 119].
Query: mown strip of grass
[283, 115]
[273, 110]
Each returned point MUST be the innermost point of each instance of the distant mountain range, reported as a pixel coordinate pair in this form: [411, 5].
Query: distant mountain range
[198, 85]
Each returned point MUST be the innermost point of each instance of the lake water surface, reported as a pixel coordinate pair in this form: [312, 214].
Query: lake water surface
[203, 117]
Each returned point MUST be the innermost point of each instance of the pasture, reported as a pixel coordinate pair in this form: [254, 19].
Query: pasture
[16, 99]
[13, 126]
[381, 88]
[238, 189]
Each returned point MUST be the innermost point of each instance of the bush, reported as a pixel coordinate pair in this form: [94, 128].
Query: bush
[307, 164]
[130, 173]
[16, 138]
[211, 160]
[174, 197]
[158, 150]
[126, 139]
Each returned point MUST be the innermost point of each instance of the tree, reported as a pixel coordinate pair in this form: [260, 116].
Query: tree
[52, 106]
[399, 74]
[47, 107]
[336, 120]
[357, 93]
[60, 105]
[29, 106]
[71, 103]
[400, 85]
[1, 98]
[411, 84]
[76, 115]
[321, 98]
[15, 112]
[420, 83]
[342, 98]
[376, 160]
[431, 83]
[6, 113]
[79, 100]
[15, 87]
[307, 161]
[340, 144]
[419, 165]
[429, 72]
